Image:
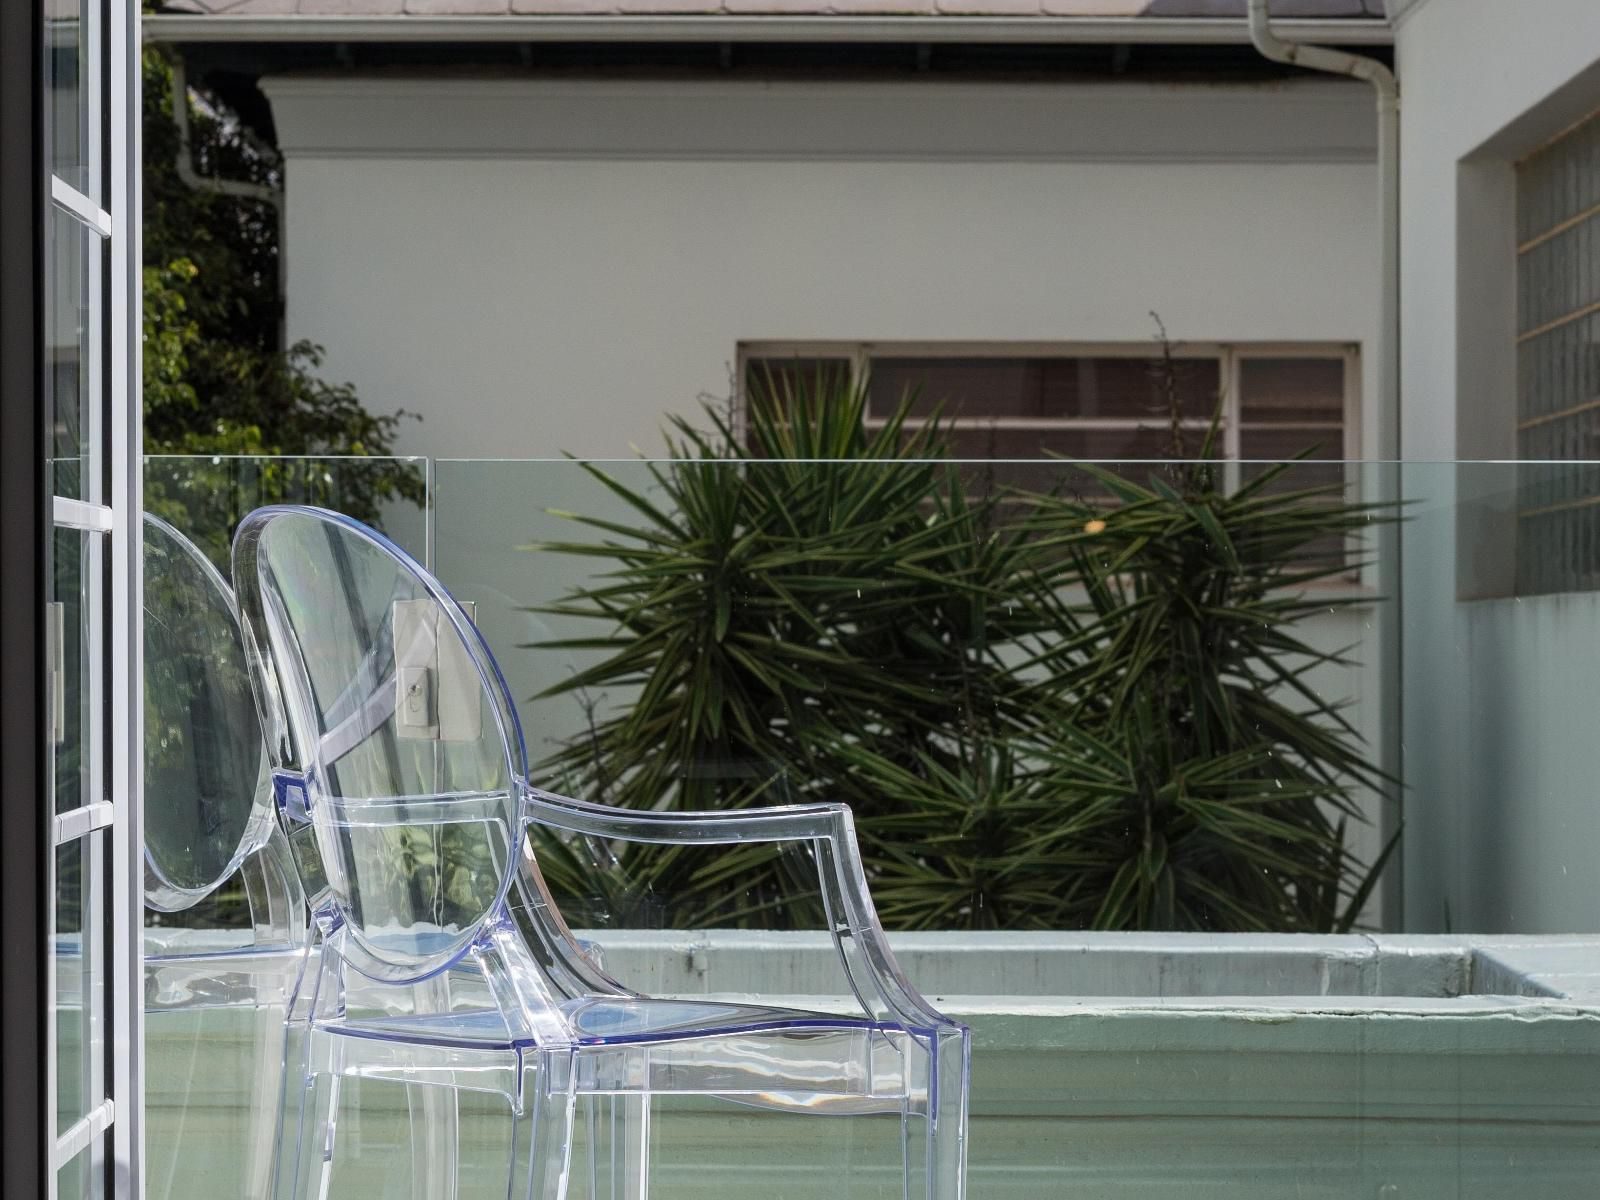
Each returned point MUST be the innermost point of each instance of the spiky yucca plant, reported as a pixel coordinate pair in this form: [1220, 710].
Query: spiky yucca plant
[1237, 781]
[1046, 711]
[782, 602]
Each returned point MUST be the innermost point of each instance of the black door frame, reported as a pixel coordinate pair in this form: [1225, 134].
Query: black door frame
[24, 549]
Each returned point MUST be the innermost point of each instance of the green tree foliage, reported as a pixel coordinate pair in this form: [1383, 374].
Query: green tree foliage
[216, 381]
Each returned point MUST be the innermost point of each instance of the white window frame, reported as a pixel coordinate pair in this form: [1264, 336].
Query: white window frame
[1230, 356]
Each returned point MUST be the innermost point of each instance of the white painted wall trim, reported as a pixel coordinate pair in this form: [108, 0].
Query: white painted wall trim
[348, 116]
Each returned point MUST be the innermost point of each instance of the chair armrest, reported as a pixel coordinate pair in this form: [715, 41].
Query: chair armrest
[875, 977]
[779, 823]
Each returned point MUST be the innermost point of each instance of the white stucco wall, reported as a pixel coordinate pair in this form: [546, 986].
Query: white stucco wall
[542, 267]
[1500, 715]
[587, 298]
[529, 296]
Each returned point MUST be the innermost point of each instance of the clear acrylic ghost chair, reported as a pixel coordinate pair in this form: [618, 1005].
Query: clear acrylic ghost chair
[413, 779]
[208, 820]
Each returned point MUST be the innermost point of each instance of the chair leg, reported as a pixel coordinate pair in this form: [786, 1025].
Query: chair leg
[617, 1147]
[934, 1144]
[304, 1162]
[541, 1130]
[267, 1088]
[631, 1148]
[296, 1075]
[435, 1130]
[323, 1161]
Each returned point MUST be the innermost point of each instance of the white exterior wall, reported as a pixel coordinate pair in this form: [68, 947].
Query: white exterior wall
[541, 268]
[531, 288]
[1500, 714]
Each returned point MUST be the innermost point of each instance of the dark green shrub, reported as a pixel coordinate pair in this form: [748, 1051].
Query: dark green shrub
[1046, 711]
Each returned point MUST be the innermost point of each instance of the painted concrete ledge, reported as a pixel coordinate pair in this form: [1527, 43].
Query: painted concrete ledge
[1020, 972]
[1105, 1067]
[1105, 1025]
[1121, 970]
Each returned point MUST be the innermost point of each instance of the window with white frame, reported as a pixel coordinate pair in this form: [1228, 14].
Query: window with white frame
[1108, 402]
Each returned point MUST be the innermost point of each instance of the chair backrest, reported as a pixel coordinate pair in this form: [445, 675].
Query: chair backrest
[207, 793]
[391, 732]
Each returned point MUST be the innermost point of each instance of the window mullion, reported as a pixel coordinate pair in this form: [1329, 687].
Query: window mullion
[125, 480]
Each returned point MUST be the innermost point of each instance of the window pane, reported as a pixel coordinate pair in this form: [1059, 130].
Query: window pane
[972, 440]
[1045, 446]
[958, 387]
[1291, 389]
[1046, 387]
[75, 565]
[1322, 449]
[80, 1047]
[71, 1181]
[70, 36]
[71, 326]
[1558, 365]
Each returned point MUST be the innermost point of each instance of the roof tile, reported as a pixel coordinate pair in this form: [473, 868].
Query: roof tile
[339, 7]
[1232, 9]
[990, 8]
[563, 7]
[493, 8]
[254, 7]
[1321, 9]
[880, 7]
[668, 6]
[251, 8]
[1096, 8]
[744, 7]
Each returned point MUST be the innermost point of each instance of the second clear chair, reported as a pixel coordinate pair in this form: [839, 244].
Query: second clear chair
[395, 743]
[208, 825]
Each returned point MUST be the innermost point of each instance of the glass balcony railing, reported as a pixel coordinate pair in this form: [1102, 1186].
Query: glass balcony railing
[1110, 731]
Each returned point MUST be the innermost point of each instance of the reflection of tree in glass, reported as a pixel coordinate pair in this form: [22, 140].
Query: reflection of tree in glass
[217, 381]
[203, 746]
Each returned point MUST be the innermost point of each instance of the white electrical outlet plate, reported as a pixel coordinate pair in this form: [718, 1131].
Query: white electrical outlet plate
[438, 696]
[416, 660]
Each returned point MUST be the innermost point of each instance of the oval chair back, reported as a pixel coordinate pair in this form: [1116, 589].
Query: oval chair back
[392, 736]
[207, 792]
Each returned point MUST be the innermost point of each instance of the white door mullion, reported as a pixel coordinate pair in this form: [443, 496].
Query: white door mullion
[126, 481]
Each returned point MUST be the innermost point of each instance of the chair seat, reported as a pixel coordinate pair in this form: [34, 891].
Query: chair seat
[601, 1021]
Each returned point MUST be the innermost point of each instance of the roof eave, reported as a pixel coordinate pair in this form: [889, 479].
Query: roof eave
[724, 27]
